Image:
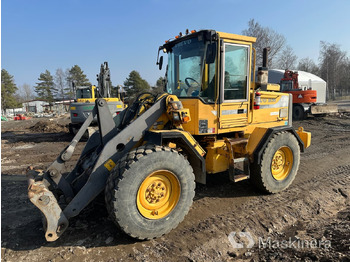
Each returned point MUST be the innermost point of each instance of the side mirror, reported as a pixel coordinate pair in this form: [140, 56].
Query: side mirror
[211, 53]
[160, 63]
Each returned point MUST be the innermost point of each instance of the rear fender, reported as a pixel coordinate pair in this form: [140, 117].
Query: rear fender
[269, 132]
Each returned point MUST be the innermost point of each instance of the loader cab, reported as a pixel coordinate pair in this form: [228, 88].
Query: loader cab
[209, 72]
[191, 72]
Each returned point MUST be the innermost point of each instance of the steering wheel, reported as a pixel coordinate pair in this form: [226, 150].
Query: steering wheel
[190, 78]
[191, 88]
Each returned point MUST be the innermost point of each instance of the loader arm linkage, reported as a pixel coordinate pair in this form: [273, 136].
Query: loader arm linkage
[79, 188]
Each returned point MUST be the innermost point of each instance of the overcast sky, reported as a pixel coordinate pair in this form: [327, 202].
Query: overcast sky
[48, 34]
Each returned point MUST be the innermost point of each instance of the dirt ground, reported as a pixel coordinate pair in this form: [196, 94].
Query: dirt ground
[310, 221]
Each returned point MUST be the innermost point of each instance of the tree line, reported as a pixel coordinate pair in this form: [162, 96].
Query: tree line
[49, 87]
[60, 86]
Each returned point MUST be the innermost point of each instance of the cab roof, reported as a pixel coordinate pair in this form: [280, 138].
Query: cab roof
[210, 34]
[244, 38]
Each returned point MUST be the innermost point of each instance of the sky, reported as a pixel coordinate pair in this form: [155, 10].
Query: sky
[39, 35]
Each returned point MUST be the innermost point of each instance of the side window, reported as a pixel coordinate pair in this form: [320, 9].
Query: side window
[236, 72]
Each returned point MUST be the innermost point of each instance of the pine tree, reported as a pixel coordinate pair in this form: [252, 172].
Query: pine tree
[8, 90]
[76, 75]
[135, 84]
[160, 85]
[46, 88]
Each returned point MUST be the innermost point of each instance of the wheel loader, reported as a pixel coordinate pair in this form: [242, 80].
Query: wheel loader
[214, 117]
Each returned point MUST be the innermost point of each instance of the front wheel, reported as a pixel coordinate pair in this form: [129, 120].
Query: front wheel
[279, 164]
[150, 191]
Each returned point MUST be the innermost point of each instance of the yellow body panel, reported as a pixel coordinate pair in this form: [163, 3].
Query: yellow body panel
[273, 87]
[229, 119]
[254, 138]
[217, 158]
[233, 115]
[271, 104]
[199, 113]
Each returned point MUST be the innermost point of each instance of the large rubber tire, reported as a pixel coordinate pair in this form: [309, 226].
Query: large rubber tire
[70, 128]
[275, 174]
[298, 112]
[127, 179]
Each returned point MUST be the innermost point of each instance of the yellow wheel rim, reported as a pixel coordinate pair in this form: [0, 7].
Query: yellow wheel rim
[282, 163]
[158, 194]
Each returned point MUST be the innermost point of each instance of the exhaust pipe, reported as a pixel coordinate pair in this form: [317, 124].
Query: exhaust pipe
[265, 56]
[263, 72]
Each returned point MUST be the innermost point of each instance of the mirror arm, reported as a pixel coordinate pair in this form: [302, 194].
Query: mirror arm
[160, 48]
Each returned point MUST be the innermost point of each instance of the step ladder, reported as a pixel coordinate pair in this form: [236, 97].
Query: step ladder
[232, 145]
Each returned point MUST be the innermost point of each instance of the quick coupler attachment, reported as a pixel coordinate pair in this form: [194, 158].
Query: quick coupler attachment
[56, 222]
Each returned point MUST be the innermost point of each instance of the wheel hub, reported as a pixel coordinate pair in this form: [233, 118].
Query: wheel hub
[155, 192]
[278, 161]
[158, 194]
[281, 164]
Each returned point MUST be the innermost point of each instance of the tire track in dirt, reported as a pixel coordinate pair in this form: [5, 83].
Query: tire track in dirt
[265, 216]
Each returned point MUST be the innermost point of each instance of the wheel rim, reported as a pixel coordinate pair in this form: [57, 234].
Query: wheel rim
[158, 194]
[282, 163]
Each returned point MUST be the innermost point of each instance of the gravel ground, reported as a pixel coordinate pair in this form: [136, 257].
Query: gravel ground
[310, 221]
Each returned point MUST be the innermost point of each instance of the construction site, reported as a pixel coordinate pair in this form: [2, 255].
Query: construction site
[316, 206]
[223, 165]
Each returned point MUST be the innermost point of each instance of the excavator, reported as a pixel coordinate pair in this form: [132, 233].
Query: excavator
[214, 117]
[304, 100]
[86, 97]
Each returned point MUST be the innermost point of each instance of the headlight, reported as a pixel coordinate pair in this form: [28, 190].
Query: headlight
[176, 116]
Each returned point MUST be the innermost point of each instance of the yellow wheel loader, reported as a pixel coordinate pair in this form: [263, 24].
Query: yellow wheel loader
[214, 117]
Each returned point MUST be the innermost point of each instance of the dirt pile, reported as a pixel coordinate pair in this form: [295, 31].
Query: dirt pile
[49, 127]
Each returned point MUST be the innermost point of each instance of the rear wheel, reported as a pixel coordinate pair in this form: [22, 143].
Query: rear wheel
[279, 164]
[70, 128]
[150, 191]
[298, 112]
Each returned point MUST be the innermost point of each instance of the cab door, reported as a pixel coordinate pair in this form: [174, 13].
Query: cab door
[234, 88]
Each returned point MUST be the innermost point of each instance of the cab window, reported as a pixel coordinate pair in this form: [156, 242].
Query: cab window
[235, 72]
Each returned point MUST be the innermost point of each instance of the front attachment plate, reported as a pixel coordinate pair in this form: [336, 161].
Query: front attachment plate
[43, 198]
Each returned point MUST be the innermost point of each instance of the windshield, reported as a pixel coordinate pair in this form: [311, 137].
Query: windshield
[188, 74]
[286, 85]
[84, 93]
